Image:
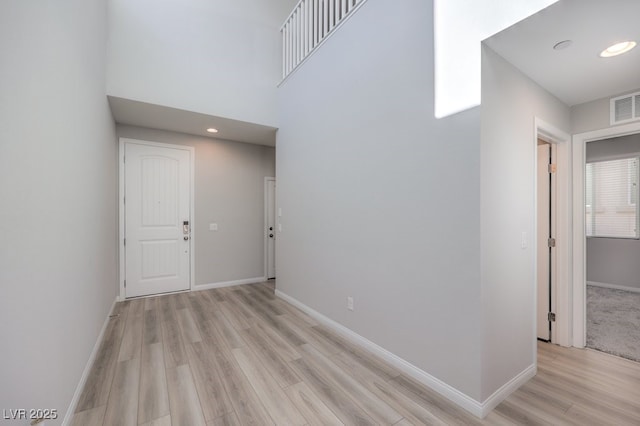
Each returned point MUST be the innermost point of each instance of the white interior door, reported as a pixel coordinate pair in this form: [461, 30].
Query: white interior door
[157, 219]
[271, 228]
[544, 221]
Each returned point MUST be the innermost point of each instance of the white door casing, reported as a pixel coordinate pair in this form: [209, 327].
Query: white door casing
[156, 222]
[270, 227]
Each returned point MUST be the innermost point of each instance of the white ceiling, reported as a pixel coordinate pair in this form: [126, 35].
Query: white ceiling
[126, 111]
[577, 74]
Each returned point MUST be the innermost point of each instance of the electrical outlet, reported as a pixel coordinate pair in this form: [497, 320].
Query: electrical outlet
[350, 303]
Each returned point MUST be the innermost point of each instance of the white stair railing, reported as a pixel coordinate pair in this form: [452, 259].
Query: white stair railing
[310, 22]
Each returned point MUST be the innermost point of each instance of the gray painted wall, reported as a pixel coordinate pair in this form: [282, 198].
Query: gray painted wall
[613, 260]
[590, 116]
[229, 191]
[593, 115]
[380, 201]
[58, 191]
[510, 103]
[218, 57]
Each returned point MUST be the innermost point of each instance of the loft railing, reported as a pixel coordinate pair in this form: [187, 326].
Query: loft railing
[308, 25]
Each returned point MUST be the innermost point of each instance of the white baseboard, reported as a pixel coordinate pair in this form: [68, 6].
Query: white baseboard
[476, 408]
[87, 368]
[507, 389]
[229, 283]
[411, 370]
[614, 286]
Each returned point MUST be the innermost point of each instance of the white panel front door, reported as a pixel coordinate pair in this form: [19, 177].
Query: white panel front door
[157, 219]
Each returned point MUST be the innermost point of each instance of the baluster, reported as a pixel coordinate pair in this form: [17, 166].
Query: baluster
[305, 27]
[316, 22]
[325, 18]
[295, 39]
[301, 33]
[300, 36]
[302, 29]
[309, 26]
[286, 49]
[291, 42]
[305, 51]
[290, 37]
[313, 24]
[284, 53]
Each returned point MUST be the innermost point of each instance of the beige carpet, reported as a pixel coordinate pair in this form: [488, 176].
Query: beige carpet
[613, 321]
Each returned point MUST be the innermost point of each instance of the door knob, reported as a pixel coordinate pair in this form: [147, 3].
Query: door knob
[270, 235]
[271, 228]
[186, 237]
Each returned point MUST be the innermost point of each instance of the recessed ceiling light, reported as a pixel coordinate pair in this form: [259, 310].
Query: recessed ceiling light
[212, 130]
[562, 45]
[618, 49]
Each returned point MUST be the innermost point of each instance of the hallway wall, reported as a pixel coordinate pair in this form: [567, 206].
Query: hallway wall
[380, 200]
[58, 198]
[510, 103]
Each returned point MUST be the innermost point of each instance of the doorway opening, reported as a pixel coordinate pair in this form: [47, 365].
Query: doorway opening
[579, 281]
[546, 225]
[613, 245]
[553, 283]
[270, 227]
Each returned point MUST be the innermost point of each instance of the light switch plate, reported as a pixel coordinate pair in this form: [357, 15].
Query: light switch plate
[213, 227]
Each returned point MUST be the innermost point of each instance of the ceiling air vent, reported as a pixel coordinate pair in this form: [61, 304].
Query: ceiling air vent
[625, 108]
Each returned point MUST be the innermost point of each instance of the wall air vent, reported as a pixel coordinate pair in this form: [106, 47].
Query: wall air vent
[625, 108]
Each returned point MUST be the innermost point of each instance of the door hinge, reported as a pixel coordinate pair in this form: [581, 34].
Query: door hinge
[552, 168]
[125, 241]
[125, 283]
[551, 242]
[551, 317]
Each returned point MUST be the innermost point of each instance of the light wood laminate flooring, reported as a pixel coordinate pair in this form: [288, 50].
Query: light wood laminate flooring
[241, 356]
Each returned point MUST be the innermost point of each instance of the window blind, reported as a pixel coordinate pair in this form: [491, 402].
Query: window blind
[611, 194]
